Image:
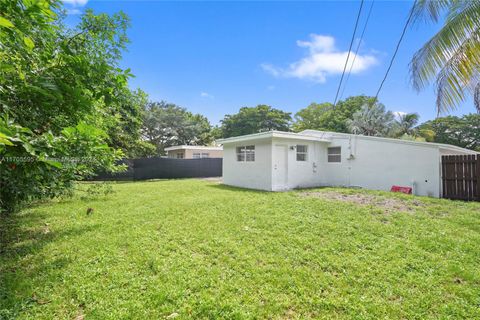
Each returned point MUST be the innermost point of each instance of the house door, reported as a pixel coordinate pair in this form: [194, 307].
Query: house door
[280, 167]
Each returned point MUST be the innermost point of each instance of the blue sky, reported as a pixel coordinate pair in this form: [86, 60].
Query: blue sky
[215, 57]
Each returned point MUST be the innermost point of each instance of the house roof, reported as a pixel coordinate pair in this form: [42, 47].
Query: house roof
[329, 135]
[326, 136]
[185, 147]
[272, 134]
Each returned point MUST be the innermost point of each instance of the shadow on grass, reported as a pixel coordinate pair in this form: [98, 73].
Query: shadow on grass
[143, 180]
[22, 268]
[236, 189]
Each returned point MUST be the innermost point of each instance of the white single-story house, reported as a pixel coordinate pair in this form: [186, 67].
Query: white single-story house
[194, 152]
[277, 161]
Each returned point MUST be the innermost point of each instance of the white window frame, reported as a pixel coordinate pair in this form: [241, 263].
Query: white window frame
[331, 152]
[302, 153]
[180, 155]
[196, 155]
[205, 155]
[245, 153]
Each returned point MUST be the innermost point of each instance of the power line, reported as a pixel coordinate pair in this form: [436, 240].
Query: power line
[348, 55]
[396, 50]
[356, 51]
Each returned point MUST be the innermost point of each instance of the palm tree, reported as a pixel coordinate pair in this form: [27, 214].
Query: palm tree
[371, 120]
[451, 58]
[406, 123]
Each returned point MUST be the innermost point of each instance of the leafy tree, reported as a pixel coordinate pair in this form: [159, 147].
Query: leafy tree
[451, 57]
[372, 120]
[325, 117]
[124, 127]
[167, 124]
[61, 94]
[255, 119]
[460, 131]
[314, 117]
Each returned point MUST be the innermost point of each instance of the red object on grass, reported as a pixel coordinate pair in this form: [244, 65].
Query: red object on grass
[407, 190]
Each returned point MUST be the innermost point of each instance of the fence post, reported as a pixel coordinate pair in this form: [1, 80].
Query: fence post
[477, 178]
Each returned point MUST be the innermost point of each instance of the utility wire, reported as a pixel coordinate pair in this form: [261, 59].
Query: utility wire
[356, 51]
[348, 55]
[396, 50]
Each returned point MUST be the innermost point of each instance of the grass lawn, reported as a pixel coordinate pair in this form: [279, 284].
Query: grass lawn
[196, 249]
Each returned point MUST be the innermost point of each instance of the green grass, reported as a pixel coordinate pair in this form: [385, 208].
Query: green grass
[195, 249]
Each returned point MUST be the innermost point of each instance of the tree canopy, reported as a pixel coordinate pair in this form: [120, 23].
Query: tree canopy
[65, 106]
[255, 119]
[372, 120]
[323, 116]
[167, 124]
[459, 131]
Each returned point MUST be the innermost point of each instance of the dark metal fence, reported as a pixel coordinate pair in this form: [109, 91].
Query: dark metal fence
[166, 168]
[461, 177]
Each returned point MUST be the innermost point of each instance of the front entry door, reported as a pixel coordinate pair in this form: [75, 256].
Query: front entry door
[280, 167]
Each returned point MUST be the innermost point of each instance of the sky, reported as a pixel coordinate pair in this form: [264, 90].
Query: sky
[215, 57]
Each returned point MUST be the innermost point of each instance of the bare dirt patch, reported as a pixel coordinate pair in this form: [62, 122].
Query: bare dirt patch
[388, 205]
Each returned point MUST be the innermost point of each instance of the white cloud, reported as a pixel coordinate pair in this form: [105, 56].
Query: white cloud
[74, 11]
[76, 3]
[73, 6]
[323, 60]
[206, 95]
[399, 114]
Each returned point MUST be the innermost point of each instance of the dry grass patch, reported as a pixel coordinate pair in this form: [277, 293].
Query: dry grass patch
[388, 205]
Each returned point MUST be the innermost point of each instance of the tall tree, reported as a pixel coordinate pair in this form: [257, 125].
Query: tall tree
[167, 124]
[60, 90]
[255, 119]
[460, 131]
[325, 117]
[372, 120]
[405, 124]
[451, 58]
[125, 124]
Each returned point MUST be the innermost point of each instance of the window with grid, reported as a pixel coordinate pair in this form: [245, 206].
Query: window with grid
[246, 153]
[179, 155]
[335, 154]
[196, 155]
[302, 152]
[205, 155]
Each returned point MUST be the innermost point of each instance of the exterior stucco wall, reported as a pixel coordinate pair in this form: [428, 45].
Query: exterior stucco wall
[253, 175]
[377, 165]
[366, 162]
[173, 153]
[188, 153]
[302, 174]
[211, 153]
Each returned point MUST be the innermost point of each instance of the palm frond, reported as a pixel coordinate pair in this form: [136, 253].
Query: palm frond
[458, 28]
[460, 75]
[428, 10]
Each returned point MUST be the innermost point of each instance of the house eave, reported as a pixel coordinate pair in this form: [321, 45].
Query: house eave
[443, 146]
[270, 135]
[185, 147]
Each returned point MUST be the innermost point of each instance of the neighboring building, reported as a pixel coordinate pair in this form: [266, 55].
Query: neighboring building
[277, 161]
[194, 152]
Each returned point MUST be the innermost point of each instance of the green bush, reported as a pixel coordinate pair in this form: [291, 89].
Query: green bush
[66, 110]
[44, 166]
